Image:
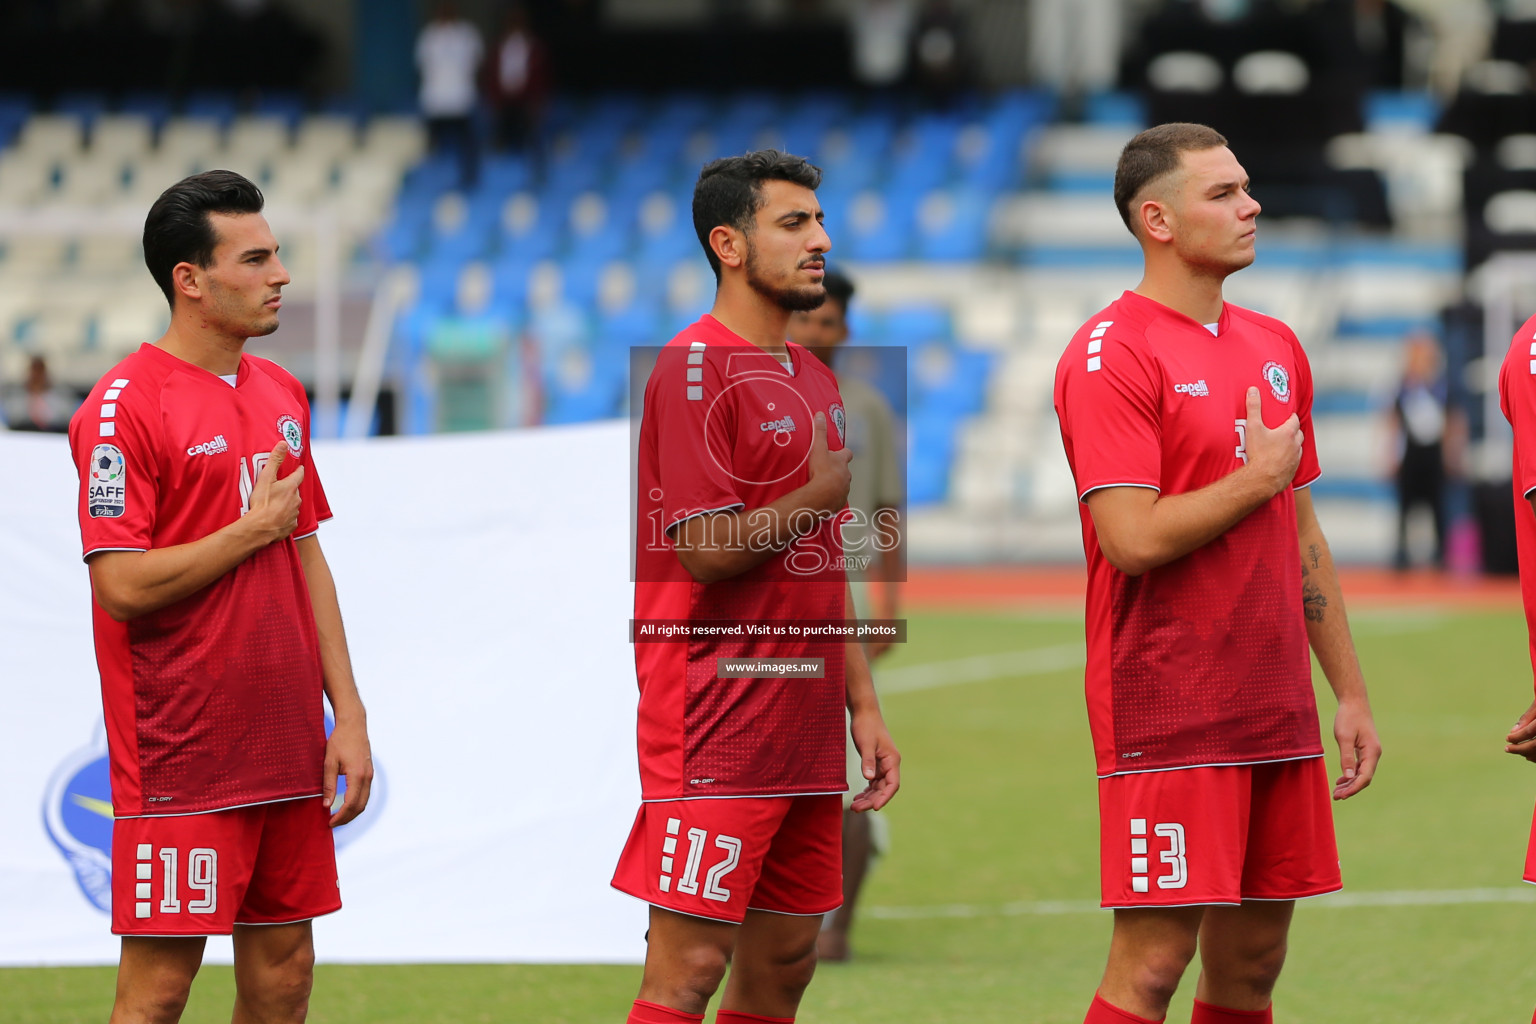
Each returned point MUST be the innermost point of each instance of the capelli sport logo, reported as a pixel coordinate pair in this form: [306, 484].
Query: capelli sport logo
[77, 814]
[786, 425]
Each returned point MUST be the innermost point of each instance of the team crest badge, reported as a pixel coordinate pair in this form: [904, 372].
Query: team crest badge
[840, 421]
[293, 434]
[1279, 381]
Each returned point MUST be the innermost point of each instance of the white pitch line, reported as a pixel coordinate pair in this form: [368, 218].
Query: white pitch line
[1398, 898]
[980, 668]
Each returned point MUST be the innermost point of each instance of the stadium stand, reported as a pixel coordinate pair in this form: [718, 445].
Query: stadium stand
[981, 235]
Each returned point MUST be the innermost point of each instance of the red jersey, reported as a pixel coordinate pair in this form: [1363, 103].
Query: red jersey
[214, 701]
[1517, 399]
[1201, 661]
[726, 426]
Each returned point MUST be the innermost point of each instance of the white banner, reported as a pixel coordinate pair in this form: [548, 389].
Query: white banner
[485, 584]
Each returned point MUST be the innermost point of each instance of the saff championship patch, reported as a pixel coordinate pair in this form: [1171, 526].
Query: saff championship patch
[1279, 381]
[108, 497]
[292, 433]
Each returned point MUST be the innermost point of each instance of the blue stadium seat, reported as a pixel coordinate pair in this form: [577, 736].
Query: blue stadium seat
[439, 283]
[289, 106]
[430, 178]
[952, 226]
[219, 106]
[581, 274]
[881, 238]
[1390, 110]
[639, 326]
[917, 324]
[509, 280]
[471, 240]
[404, 237]
[752, 109]
[501, 174]
[15, 109]
[930, 451]
[1115, 108]
[347, 105]
[87, 106]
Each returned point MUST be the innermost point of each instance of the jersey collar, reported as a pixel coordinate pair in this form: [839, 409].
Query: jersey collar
[1151, 309]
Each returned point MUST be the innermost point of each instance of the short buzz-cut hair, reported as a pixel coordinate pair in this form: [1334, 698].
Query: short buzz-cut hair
[1154, 153]
[177, 229]
[730, 191]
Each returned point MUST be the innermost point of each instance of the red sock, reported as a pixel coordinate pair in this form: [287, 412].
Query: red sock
[1205, 1013]
[737, 1017]
[1100, 1012]
[653, 1013]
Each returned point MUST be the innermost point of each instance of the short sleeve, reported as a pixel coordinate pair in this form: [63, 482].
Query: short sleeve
[1308, 470]
[694, 439]
[1109, 405]
[113, 443]
[1517, 399]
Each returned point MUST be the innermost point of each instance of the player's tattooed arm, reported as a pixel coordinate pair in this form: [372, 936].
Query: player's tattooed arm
[1354, 727]
[1313, 601]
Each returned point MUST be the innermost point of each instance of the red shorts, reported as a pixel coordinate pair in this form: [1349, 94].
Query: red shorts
[720, 858]
[1530, 856]
[1217, 835]
[201, 874]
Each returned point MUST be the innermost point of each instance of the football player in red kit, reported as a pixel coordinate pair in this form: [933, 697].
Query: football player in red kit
[742, 475]
[1187, 423]
[217, 626]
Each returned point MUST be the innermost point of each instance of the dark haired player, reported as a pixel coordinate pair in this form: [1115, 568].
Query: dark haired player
[1187, 423]
[217, 627]
[742, 473]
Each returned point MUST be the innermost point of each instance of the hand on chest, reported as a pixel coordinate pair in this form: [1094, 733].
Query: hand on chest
[771, 427]
[215, 448]
[1204, 399]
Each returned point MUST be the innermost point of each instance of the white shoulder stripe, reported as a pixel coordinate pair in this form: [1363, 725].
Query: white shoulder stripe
[695, 359]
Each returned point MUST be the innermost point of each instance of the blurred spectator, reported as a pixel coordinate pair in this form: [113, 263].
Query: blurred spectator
[448, 54]
[41, 406]
[881, 34]
[1074, 45]
[1381, 32]
[938, 48]
[1429, 437]
[519, 81]
[875, 497]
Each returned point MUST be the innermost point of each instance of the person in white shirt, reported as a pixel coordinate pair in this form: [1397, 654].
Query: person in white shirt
[448, 55]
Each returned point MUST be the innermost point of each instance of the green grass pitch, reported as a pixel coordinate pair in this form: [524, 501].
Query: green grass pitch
[997, 815]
